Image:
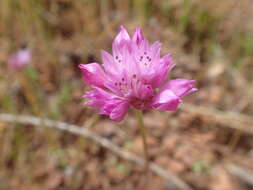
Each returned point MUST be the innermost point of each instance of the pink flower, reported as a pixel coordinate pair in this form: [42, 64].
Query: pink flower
[134, 75]
[20, 58]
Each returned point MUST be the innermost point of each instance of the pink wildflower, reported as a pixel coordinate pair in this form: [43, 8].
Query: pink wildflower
[20, 58]
[134, 75]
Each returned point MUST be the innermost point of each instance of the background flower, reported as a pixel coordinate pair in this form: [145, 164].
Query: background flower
[20, 58]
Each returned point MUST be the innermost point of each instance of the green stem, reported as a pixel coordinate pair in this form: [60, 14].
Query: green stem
[139, 116]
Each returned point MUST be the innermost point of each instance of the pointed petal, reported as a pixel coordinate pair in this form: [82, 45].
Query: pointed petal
[122, 36]
[129, 64]
[119, 112]
[181, 87]
[109, 63]
[155, 49]
[113, 85]
[109, 106]
[121, 42]
[98, 97]
[93, 74]
[191, 91]
[166, 100]
[160, 71]
[138, 36]
[115, 108]
[144, 46]
[170, 95]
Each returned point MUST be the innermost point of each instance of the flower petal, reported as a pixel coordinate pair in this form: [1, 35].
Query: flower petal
[166, 100]
[24, 55]
[20, 58]
[144, 92]
[93, 74]
[160, 71]
[138, 36]
[116, 109]
[122, 36]
[119, 112]
[180, 87]
[120, 43]
[110, 65]
[98, 97]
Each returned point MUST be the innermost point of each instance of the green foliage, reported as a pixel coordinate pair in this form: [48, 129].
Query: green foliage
[31, 74]
[7, 104]
[185, 17]
[61, 100]
[64, 95]
[245, 49]
[142, 9]
[201, 167]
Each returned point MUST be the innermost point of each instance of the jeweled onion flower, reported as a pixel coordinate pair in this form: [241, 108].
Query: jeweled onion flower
[134, 75]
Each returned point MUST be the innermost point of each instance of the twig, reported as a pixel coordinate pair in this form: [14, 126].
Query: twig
[244, 174]
[233, 120]
[74, 129]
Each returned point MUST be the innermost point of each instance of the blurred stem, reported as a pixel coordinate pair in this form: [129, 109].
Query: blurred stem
[234, 140]
[139, 116]
[141, 9]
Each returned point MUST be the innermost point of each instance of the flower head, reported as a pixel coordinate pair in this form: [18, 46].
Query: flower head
[20, 58]
[134, 75]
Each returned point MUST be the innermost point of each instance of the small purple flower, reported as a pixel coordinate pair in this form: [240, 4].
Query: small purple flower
[134, 75]
[20, 58]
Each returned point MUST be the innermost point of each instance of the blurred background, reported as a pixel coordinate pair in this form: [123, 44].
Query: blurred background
[211, 42]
